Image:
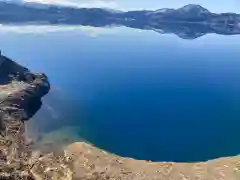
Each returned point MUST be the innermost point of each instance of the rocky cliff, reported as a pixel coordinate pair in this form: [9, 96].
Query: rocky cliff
[20, 98]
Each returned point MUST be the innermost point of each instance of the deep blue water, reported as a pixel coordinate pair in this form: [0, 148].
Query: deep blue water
[137, 93]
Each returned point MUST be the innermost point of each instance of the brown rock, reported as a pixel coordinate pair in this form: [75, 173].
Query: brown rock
[80, 161]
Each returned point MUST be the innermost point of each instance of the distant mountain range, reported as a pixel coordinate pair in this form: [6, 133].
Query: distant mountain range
[188, 22]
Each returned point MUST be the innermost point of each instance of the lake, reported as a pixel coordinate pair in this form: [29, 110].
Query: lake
[135, 93]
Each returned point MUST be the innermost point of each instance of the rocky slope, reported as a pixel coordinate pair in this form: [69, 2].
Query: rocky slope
[188, 22]
[21, 95]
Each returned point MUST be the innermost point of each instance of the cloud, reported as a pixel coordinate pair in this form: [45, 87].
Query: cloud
[79, 3]
[43, 29]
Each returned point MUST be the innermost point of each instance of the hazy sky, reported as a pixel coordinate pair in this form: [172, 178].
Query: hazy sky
[212, 5]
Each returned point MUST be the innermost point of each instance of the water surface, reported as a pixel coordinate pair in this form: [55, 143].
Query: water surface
[137, 93]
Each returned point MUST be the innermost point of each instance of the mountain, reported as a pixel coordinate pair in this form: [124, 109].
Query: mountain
[188, 22]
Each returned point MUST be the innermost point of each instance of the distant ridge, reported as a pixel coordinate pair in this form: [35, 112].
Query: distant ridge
[188, 22]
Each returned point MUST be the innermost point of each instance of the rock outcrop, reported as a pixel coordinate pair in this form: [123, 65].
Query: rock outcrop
[21, 95]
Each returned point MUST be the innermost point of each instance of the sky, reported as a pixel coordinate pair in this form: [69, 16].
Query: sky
[212, 5]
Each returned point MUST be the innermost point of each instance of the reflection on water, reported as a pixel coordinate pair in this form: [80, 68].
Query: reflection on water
[188, 22]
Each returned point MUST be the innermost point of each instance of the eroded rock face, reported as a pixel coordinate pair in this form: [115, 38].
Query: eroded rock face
[20, 98]
[21, 93]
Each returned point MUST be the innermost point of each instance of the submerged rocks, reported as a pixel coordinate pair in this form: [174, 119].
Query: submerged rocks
[20, 99]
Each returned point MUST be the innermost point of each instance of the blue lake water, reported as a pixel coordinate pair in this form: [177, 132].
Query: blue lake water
[138, 93]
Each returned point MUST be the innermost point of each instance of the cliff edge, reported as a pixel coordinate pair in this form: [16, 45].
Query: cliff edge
[20, 98]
